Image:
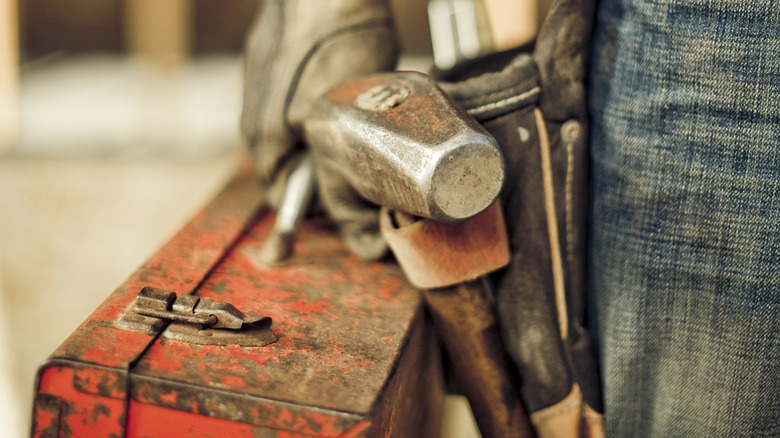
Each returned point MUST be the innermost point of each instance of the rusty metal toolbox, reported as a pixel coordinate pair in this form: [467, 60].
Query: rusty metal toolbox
[351, 354]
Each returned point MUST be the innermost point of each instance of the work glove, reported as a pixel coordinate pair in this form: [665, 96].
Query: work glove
[535, 107]
[296, 51]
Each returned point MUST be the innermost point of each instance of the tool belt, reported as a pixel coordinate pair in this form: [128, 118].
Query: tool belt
[540, 295]
[533, 104]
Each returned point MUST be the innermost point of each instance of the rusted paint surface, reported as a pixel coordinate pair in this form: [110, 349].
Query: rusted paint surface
[46, 416]
[179, 265]
[81, 414]
[239, 407]
[150, 421]
[154, 421]
[99, 381]
[341, 324]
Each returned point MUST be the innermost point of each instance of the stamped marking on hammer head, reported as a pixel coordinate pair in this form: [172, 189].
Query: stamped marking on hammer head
[384, 96]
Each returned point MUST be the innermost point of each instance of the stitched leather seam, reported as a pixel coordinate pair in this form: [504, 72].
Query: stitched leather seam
[504, 102]
[483, 97]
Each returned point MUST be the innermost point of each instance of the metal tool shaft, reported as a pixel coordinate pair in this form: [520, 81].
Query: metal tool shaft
[296, 198]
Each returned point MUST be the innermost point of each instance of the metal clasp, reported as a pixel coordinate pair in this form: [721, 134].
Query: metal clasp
[202, 320]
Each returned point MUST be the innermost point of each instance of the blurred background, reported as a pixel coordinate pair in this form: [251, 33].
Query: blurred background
[118, 121]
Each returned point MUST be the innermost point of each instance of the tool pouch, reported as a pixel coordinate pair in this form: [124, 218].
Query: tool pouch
[534, 106]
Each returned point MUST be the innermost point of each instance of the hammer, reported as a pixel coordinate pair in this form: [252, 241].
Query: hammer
[402, 143]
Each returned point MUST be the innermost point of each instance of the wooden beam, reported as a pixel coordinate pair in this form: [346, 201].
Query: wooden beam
[159, 29]
[9, 73]
[512, 22]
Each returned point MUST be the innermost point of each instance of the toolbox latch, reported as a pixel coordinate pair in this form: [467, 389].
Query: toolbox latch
[202, 320]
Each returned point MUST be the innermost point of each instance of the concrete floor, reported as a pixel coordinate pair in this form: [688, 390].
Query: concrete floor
[113, 156]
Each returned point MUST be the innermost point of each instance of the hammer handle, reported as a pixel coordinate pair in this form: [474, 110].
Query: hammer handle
[465, 320]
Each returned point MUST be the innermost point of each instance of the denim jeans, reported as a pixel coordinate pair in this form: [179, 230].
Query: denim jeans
[684, 249]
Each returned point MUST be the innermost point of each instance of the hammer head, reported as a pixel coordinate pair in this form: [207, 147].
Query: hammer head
[403, 143]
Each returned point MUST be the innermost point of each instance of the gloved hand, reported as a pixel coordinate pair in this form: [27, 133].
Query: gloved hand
[297, 50]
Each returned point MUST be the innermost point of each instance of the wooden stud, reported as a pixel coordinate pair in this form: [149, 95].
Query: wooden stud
[159, 29]
[9, 73]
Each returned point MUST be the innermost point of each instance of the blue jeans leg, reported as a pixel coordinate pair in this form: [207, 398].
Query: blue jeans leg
[684, 245]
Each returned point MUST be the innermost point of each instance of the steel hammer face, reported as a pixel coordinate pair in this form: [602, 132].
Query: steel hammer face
[403, 143]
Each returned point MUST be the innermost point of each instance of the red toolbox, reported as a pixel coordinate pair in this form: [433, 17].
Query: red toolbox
[354, 354]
